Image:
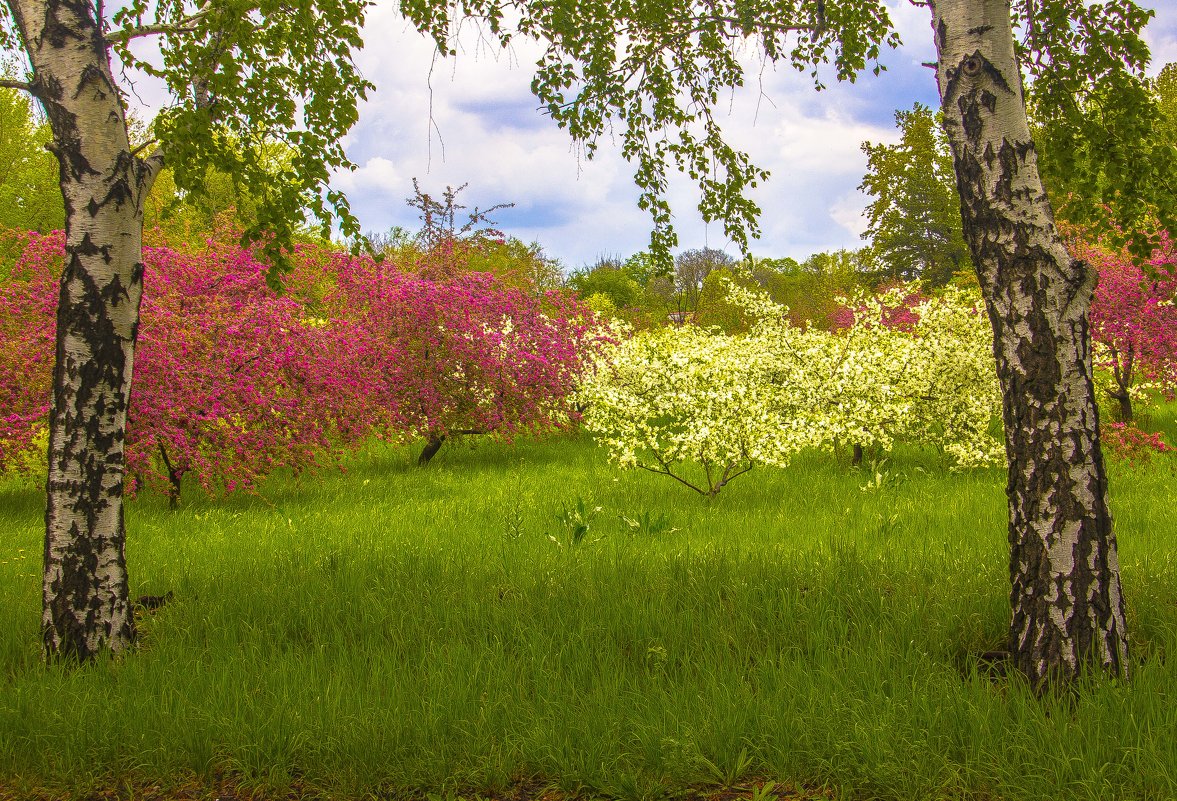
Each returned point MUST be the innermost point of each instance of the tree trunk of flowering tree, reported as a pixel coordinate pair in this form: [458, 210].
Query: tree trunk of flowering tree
[1067, 610]
[1122, 370]
[432, 446]
[86, 608]
[1124, 405]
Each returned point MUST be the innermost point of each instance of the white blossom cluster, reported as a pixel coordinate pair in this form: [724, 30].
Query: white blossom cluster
[677, 397]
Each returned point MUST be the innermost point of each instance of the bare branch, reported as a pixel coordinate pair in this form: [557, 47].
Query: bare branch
[184, 26]
[23, 86]
[200, 92]
[136, 151]
[665, 471]
[728, 475]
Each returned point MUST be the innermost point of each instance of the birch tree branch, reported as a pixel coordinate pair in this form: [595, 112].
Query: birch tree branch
[184, 26]
[150, 168]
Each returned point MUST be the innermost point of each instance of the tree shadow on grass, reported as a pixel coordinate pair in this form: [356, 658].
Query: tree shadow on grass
[21, 504]
[472, 452]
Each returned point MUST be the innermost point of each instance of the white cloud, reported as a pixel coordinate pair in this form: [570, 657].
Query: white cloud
[1161, 34]
[473, 120]
[849, 211]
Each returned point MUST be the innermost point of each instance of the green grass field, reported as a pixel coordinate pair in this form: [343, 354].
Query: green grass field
[398, 632]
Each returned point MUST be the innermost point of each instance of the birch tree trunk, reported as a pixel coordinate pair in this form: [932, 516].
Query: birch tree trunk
[85, 593]
[1067, 609]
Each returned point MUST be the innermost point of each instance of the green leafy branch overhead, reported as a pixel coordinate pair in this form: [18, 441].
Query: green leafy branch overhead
[1100, 126]
[249, 79]
[659, 68]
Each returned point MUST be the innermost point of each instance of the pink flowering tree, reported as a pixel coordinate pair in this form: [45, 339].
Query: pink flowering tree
[231, 380]
[28, 307]
[465, 354]
[1134, 320]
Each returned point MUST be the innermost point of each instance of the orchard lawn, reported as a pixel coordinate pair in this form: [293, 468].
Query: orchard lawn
[528, 620]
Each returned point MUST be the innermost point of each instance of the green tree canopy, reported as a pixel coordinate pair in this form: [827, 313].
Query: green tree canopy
[1105, 144]
[247, 79]
[1165, 87]
[609, 278]
[30, 199]
[914, 219]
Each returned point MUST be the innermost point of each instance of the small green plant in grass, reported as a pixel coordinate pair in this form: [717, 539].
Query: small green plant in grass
[879, 477]
[627, 786]
[513, 523]
[513, 518]
[763, 792]
[731, 773]
[648, 524]
[885, 527]
[512, 507]
[657, 657]
[576, 522]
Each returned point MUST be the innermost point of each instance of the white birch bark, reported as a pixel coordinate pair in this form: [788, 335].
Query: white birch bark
[85, 591]
[1067, 609]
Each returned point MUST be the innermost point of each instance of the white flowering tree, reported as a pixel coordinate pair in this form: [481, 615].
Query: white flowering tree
[704, 407]
[953, 385]
[698, 407]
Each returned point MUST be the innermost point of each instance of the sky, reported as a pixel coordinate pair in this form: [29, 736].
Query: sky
[473, 120]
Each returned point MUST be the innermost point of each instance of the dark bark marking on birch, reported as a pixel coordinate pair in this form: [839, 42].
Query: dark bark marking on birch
[49, 89]
[989, 156]
[970, 118]
[55, 31]
[91, 73]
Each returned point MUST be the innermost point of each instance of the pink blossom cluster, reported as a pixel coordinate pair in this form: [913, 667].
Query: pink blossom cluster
[28, 310]
[232, 380]
[1133, 314]
[898, 303]
[1126, 441]
[463, 354]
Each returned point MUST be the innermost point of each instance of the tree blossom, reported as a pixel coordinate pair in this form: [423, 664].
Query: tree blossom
[1133, 320]
[462, 355]
[232, 380]
[705, 407]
